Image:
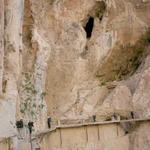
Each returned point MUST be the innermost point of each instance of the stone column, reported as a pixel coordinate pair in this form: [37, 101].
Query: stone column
[11, 16]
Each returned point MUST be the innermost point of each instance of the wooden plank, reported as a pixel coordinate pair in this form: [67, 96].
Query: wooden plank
[60, 135]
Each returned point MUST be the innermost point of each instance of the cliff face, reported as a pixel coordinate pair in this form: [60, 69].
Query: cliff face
[72, 59]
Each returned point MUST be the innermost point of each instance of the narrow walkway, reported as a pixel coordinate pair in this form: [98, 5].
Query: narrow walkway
[44, 132]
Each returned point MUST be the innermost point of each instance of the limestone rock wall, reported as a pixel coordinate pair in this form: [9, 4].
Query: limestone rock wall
[74, 60]
[71, 59]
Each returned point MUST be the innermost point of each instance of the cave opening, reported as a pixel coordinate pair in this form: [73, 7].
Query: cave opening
[89, 27]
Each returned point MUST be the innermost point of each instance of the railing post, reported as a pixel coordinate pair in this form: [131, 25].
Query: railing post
[60, 135]
[86, 133]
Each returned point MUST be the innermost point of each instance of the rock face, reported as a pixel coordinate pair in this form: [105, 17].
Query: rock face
[141, 96]
[118, 102]
[72, 59]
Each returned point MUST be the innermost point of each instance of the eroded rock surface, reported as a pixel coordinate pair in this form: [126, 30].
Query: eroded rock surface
[72, 59]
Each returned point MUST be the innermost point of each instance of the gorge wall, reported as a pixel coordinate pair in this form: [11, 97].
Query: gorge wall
[72, 59]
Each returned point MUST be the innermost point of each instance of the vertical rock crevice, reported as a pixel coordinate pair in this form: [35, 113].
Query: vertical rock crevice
[98, 11]
[28, 52]
[89, 27]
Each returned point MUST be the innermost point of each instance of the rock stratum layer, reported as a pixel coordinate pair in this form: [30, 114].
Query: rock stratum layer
[71, 60]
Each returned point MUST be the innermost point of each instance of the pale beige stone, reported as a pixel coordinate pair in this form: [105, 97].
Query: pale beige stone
[118, 102]
[47, 38]
[141, 97]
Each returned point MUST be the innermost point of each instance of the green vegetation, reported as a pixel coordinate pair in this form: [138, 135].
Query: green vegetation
[124, 60]
[51, 2]
[100, 9]
[30, 107]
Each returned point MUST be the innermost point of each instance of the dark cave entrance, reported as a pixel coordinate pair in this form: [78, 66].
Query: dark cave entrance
[89, 27]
